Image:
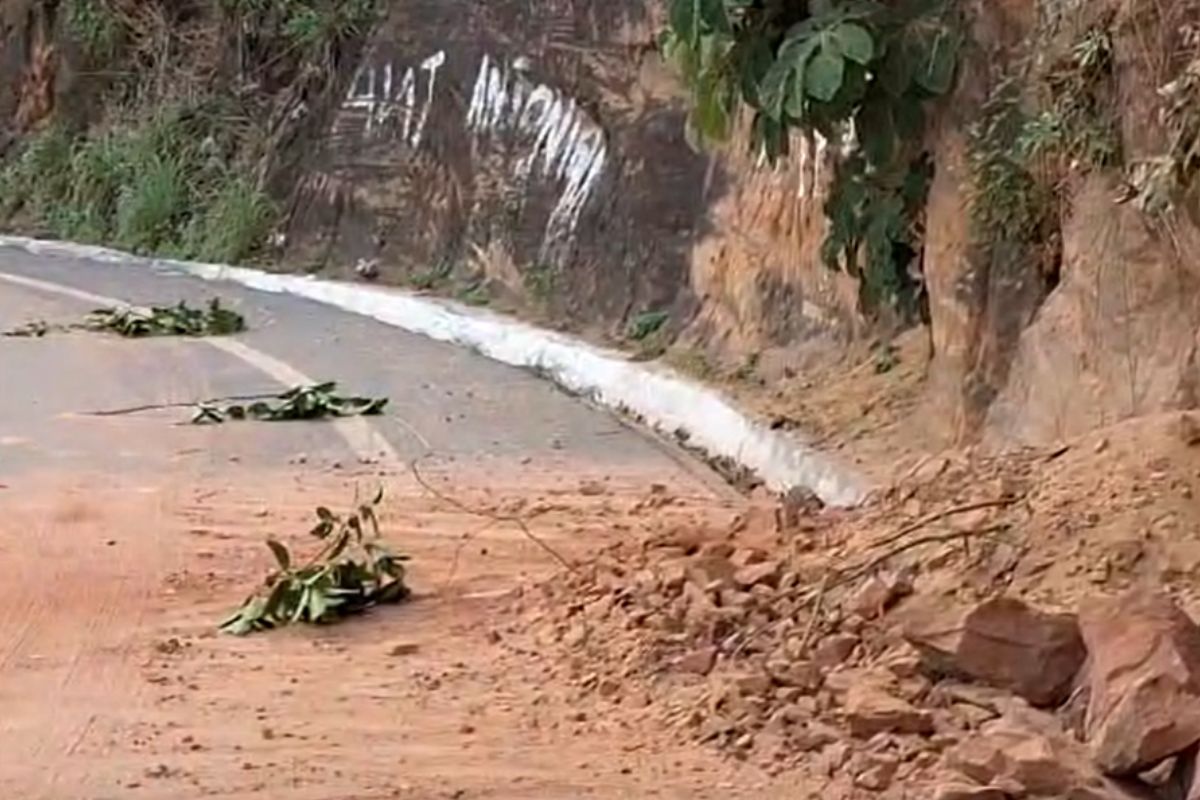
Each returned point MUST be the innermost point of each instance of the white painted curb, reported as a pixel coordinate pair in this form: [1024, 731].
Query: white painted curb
[661, 397]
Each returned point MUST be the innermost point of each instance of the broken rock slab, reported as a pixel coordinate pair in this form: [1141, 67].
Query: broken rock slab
[1026, 762]
[871, 709]
[1002, 642]
[958, 790]
[1144, 678]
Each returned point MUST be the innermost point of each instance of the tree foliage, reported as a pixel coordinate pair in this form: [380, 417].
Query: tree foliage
[853, 71]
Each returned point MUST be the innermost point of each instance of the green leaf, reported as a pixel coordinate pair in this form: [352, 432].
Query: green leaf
[685, 20]
[877, 131]
[774, 89]
[941, 63]
[282, 556]
[318, 605]
[899, 66]
[823, 77]
[855, 42]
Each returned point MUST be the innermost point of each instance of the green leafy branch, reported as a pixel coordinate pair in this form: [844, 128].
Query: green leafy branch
[177, 320]
[1052, 116]
[299, 403]
[852, 71]
[352, 571]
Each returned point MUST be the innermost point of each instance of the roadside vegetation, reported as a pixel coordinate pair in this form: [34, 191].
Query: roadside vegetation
[201, 105]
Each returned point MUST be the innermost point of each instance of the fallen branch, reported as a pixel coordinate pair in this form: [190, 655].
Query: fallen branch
[510, 519]
[298, 403]
[177, 320]
[814, 616]
[117, 412]
[938, 516]
[940, 538]
[353, 571]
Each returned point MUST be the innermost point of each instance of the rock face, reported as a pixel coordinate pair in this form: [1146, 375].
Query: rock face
[542, 150]
[1001, 642]
[1145, 681]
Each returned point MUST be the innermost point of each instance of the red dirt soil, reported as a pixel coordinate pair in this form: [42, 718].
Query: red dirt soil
[114, 682]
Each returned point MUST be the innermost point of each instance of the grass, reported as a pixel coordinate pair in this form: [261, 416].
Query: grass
[476, 295]
[96, 27]
[692, 362]
[150, 205]
[235, 222]
[155, 185]
[539, 280]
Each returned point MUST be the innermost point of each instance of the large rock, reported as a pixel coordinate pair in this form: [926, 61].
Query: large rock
[1029, 762]
[1002, 642]
[1145, 681]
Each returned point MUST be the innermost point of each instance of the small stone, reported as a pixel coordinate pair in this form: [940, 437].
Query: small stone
[835, 650]
[765, 572]
[698, 662]
[811, 737]
[576, 635]
[877, 595]
[404, 649]
[710, 570]
[831, 758]
[746, 556]
[802, 675]
[1188, 430]
[752, 685]
[871, 710]
[966, 791]
[879, 774]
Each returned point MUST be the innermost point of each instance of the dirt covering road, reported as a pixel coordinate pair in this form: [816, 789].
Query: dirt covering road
[124, 540]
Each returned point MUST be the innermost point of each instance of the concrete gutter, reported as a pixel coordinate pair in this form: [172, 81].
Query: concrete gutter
[662, 398]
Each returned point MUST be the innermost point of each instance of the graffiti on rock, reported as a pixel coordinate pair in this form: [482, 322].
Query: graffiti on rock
[561, 141]
[388, 101]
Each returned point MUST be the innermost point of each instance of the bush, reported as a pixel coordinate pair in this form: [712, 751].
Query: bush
[161, 185]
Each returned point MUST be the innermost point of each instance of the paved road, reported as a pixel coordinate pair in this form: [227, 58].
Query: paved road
[123, 538]
[453, 403]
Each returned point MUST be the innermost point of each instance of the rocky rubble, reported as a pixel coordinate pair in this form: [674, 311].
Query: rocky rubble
[908, 649]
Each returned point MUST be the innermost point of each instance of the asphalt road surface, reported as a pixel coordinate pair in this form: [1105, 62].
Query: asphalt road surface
[124, 539]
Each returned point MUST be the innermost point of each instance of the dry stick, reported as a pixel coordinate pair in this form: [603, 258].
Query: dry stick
[937, 538]
[811, 628]
[834, 578]
[116, 412]
[502, 518]
[941, 515]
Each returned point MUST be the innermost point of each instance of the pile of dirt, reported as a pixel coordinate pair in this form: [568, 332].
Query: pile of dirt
[987, 627]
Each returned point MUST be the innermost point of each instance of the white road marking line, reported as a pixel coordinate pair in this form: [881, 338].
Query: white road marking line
[367, 444]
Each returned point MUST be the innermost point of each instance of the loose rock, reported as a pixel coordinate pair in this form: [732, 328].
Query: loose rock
[1144, 679]
[965, 791]
[871, 710]
[698, 662]
[834, 650]
[1002, 642]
